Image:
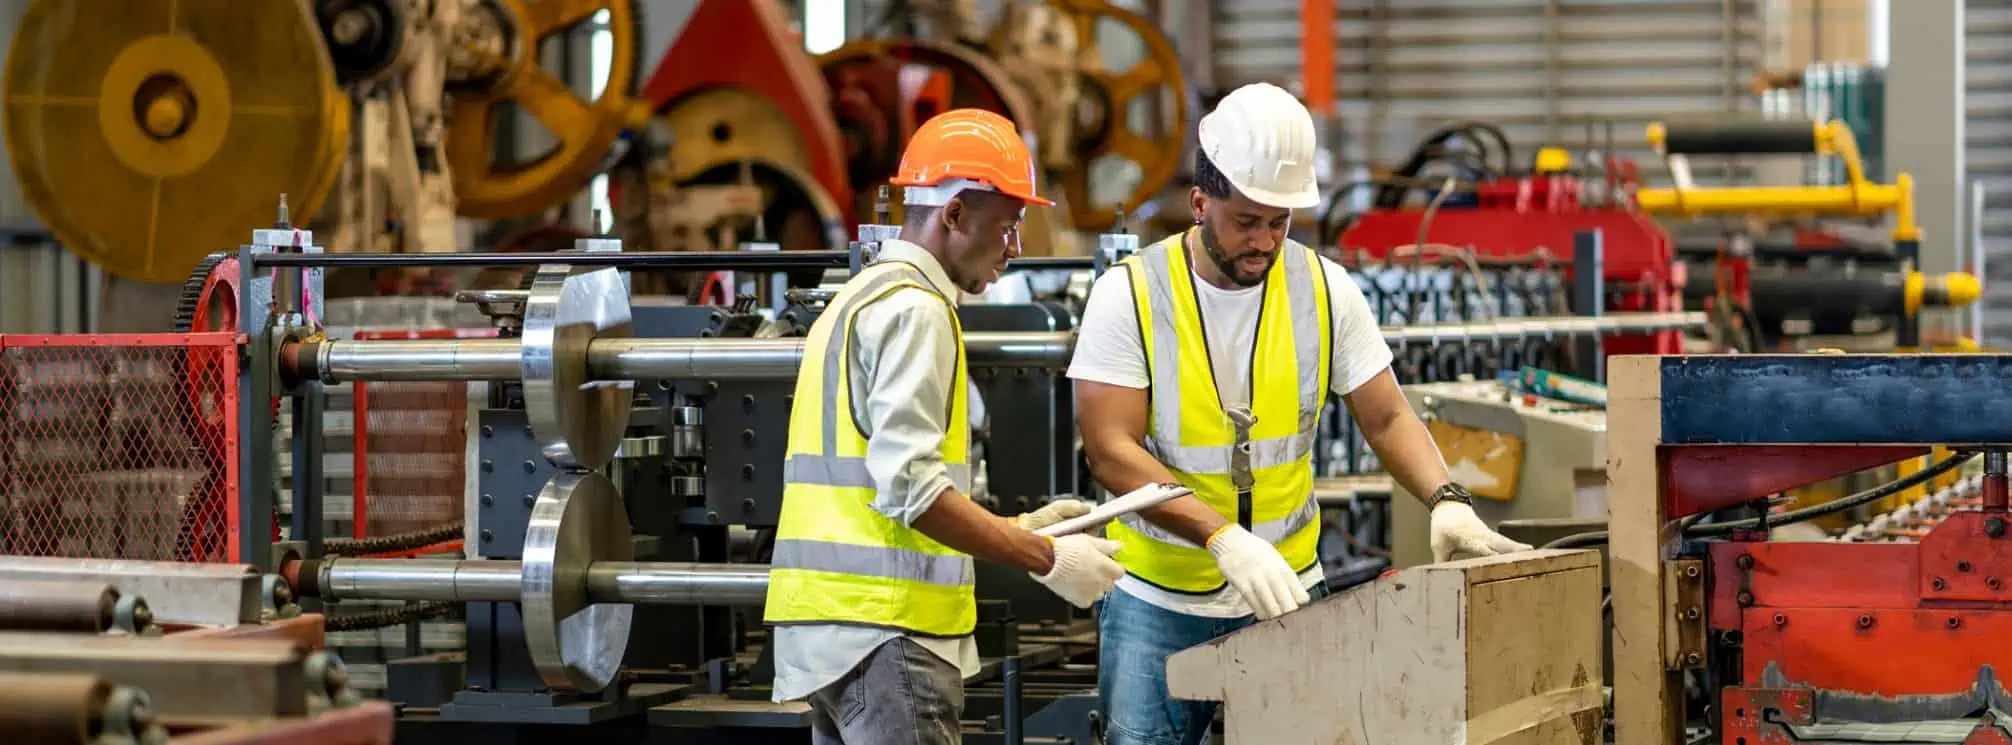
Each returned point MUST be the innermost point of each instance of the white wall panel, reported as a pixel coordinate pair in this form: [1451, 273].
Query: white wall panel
[1541, 69]
[1987, 58]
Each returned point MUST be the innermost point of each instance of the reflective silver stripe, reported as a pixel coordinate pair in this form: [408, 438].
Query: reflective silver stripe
[1301, 284]
[1272, 531]
[1166, 356]
[950, 570]
[835, 347]
[1214, 460]
[826, 470]
[839, 470]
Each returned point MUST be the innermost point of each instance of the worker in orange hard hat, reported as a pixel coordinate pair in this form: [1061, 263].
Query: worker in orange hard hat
[870, 585]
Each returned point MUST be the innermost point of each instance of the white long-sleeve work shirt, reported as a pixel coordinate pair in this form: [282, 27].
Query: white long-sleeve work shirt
[904, 362]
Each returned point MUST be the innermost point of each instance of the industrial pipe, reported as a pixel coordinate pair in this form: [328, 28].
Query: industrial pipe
[659, 260]
[685, 359]
[473, 580]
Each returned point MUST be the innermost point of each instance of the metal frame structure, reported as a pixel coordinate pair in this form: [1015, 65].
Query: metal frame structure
[1700, 434]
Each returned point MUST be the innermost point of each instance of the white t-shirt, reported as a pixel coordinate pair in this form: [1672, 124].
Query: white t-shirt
[1108, 350]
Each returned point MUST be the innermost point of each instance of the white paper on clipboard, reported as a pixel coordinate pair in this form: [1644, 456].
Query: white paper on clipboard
[1141, 498]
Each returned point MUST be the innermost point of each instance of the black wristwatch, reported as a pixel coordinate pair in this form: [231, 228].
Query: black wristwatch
[1450, 493]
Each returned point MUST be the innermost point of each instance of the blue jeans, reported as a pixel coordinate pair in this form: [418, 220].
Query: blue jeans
[1134, 639]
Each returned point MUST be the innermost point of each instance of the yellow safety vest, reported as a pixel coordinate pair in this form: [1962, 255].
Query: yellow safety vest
[837, 560]
[1190, 431]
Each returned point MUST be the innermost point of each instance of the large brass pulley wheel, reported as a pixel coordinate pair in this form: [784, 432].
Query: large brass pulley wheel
[148, 134]
[585, 130]
[1115, 106]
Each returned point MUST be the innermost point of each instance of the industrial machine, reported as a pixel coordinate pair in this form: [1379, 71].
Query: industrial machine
[618, 450]
[1758, 641]
[1832, 287]
[758, 141]
[1524, 456]
[396, 109]
[349, 97]
[229, 658]
[1484, 224]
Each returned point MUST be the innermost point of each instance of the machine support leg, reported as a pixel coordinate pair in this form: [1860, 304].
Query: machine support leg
[1994, 481]
[1589, 298]
[1009, 672]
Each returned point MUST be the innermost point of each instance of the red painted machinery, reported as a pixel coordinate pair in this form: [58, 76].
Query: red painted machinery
[1528, 219]
[1843, 641]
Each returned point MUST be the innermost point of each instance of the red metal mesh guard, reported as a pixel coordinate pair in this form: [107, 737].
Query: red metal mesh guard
[411, 440]
[119, 446]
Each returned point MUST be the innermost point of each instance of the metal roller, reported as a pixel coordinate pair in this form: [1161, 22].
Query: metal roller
[60, 605]
[684, 359]
[1738, 137]
[72, 709]
[182, 593]
[575, 585]
[478, 580]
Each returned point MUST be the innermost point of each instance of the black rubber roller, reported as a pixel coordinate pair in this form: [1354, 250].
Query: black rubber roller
[1737, 138]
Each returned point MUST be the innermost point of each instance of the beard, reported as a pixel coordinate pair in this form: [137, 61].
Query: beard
[1228, 264]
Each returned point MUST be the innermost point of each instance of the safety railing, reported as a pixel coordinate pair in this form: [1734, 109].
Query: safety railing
[119, 446]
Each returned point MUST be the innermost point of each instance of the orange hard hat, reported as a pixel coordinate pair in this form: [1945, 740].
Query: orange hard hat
[961, 146]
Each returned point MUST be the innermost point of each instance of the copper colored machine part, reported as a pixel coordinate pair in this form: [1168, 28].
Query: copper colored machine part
[52, 709]
[53, 605]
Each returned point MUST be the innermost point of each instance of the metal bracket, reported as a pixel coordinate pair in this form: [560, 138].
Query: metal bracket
[1684, 604]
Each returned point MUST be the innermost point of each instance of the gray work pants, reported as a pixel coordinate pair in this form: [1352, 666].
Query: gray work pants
[901, 694]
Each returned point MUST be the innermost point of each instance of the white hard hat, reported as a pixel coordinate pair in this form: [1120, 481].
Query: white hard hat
[1262, 139]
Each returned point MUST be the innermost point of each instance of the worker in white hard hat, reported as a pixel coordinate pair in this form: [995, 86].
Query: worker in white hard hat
[1206, 359]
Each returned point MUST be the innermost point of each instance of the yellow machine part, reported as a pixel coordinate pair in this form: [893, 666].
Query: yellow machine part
[1127, 97]
[584, 130]
[147, 134]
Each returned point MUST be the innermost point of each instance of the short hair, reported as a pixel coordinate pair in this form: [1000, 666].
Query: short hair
[1210, 179]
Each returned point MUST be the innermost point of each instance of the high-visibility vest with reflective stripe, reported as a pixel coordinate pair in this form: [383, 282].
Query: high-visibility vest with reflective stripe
[836, 559]
[1190, 431]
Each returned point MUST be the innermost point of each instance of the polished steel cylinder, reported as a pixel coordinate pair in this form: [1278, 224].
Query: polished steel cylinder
[633, 359]
[421, 579]
[450, 580]
[655, 583]
[422, 359]
[778, 359]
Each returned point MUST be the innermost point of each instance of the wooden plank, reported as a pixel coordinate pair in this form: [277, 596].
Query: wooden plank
[1495, 649]
[1648, 703]
[1540, 561]
[1534, 674]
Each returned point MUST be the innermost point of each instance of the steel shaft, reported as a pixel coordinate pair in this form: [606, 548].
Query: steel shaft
[636, 582]
[684, 359]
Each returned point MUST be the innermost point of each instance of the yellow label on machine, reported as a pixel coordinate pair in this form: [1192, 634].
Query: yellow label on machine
[1487, 463]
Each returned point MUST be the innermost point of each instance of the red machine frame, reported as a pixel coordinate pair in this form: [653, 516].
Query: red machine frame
[1819, 632]
[205, 399]
[1534, 218]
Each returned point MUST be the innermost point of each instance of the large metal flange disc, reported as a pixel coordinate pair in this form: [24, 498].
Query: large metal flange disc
[148, 134]
[578, 421]
[574, 643]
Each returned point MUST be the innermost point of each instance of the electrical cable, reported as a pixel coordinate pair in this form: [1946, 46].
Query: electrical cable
[1810, 513]
[1690, 528]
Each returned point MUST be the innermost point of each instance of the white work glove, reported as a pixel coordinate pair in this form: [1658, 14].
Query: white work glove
[1457, 530]
[1258, 572]
[1083, 570]
[1053, 512]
